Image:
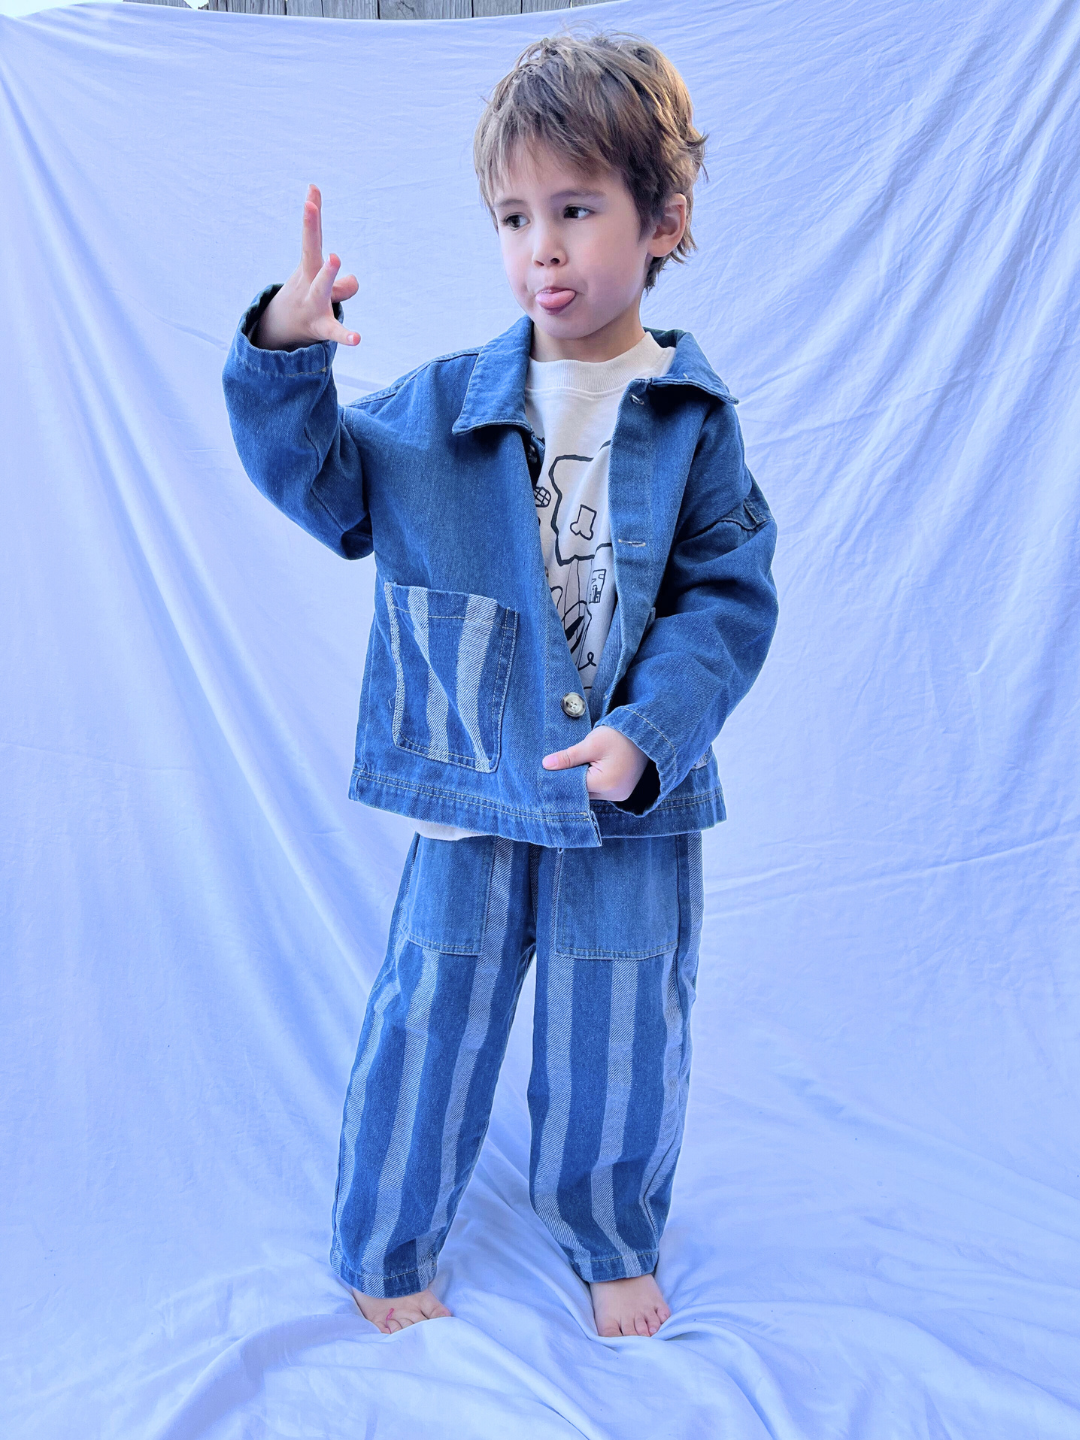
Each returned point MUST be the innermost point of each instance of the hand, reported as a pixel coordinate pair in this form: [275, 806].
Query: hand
[302, 311]
[615, 763]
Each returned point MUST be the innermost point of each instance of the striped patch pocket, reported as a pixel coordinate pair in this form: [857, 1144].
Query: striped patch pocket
[452, 655]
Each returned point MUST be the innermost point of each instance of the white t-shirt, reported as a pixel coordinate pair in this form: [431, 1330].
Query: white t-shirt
[572, 406]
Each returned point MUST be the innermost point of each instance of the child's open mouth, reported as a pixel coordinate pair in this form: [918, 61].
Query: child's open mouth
[554, 300]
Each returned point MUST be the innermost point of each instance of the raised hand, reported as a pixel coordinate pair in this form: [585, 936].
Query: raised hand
[302, 310]
[615, 763]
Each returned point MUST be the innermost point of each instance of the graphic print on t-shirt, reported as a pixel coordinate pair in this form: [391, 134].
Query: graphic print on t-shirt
[579, 569]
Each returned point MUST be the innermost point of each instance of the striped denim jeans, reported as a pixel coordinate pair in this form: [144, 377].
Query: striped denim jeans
[615, 932]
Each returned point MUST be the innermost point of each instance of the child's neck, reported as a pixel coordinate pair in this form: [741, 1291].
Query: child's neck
[612, 339]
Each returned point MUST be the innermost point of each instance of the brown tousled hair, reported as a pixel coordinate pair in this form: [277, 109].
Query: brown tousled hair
[599, 102]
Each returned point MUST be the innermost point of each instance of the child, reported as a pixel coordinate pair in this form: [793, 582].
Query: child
[573, 592]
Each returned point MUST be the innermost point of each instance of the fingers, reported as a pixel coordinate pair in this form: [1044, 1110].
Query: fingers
[579, 754]
[324, 285]
[344, 287]
[558, 760]
[587, 752]
[316, 200]
[614, 763]
[311, 234]
[323, 290]
[561, 760]
[340, 335]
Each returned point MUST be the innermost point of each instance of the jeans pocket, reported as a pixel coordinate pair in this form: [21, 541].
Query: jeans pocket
[619, 901]
[444, 907]
[452, 655]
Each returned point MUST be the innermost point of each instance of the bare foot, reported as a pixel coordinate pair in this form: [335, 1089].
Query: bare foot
[628, 1307]
[389, 1316]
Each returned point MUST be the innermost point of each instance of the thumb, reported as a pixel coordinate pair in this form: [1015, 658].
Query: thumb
[580, 754]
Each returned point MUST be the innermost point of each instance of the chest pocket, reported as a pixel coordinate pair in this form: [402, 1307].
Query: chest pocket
[452, 654]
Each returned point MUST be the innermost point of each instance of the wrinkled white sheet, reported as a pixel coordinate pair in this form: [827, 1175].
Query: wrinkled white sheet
[875, 1222]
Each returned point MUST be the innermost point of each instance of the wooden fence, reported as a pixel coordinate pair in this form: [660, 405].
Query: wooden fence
[383, 9]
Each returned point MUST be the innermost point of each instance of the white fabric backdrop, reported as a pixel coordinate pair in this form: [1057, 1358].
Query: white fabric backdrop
[875, 1224]
[31, 7]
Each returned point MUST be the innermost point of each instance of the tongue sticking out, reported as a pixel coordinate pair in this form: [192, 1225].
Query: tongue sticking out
[554, 299]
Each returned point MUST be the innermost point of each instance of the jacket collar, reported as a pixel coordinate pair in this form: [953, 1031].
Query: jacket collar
[496, 390]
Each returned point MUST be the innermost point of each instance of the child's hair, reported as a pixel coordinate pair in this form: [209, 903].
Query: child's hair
[600, 102]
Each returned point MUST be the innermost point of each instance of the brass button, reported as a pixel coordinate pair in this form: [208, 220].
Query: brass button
[573, 705]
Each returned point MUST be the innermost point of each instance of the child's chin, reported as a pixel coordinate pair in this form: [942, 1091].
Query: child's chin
[568, 324]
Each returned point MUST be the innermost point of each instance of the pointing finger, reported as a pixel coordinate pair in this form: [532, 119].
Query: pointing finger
[316, 200]
[311, 239]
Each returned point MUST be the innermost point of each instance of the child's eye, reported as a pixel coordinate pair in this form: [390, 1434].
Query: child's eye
[579, 209]
[515, 221]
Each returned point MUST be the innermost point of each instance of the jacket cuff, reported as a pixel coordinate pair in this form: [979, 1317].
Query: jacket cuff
[660, 775]
[311, 359]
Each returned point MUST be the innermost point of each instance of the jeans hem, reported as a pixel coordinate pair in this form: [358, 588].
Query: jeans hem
[384, 1287]
[617, 1267]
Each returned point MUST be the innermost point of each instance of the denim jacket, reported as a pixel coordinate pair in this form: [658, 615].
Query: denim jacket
[469, 680]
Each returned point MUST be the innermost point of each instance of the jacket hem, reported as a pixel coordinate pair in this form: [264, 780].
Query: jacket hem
[573, 830]
[671, 817]
[569, 830]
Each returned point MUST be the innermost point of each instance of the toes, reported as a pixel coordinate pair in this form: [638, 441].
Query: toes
[404, 1316]
[641, 1326]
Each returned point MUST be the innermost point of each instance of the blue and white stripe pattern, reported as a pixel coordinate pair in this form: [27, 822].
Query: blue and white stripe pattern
[607, 1095]
[452, 654]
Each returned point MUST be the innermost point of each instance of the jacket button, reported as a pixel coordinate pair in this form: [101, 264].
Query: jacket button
[573, 705]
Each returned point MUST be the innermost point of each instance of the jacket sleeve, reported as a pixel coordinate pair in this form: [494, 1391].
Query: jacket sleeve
[288, 430]
[716, 612]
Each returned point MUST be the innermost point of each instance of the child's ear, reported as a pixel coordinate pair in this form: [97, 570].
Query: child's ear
[671, 226]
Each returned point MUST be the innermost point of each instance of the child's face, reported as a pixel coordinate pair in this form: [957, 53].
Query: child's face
[572, 245]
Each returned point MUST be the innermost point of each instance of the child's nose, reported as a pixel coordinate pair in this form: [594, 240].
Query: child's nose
[549, 257]
[547, 249]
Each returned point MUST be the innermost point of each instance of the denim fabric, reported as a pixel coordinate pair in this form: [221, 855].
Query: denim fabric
[615, 934]
[452, 656]
[467, 662]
